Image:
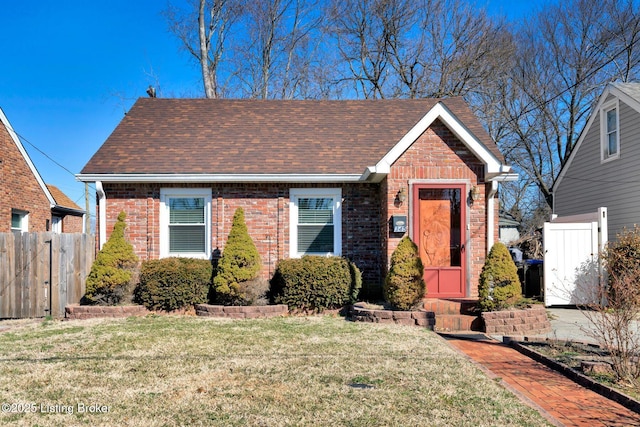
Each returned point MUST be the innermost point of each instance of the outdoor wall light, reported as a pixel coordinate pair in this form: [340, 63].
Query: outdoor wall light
[474, 193]
[402, 195]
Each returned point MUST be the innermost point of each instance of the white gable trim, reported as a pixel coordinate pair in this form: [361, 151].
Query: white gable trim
[26, 157]
[493, 166]
[611, 89]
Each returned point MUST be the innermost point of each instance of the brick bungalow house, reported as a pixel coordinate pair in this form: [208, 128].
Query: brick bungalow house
[27, 204]
[347, 178]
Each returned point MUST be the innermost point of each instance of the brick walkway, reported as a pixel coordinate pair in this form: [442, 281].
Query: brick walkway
[564, 401]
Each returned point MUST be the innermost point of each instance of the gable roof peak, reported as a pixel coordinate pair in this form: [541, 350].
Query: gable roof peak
[34, 171]
[630, 89]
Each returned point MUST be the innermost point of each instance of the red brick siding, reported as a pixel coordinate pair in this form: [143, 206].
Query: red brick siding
[366, 209]
[439, 155]
[266, 209]
[19, 188]
[72, 224]
[141, 202]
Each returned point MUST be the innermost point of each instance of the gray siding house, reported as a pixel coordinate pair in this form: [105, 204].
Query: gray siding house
[603, 169]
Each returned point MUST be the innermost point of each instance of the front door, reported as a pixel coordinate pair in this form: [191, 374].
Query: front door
[439, 232]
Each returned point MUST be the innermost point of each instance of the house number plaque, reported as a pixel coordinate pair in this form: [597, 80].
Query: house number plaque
[399, 223]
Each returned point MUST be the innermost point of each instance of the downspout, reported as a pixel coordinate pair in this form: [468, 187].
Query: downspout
[102, 214]
[491, 216]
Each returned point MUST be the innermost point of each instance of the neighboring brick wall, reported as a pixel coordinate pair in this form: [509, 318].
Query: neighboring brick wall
[76, 312]
[72, 224]
[439, 155]
[19, 189]
[266, 209]
[532, 320]
[242, 312]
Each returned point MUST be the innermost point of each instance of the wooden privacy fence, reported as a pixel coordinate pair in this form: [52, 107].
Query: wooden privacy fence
[40, 273]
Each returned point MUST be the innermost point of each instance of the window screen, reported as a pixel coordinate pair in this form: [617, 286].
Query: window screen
[315, 225]
[187, 226]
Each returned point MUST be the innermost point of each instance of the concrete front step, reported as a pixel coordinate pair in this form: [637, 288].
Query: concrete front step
[457, 323]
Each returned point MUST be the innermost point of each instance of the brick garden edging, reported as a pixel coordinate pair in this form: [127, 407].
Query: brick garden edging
[412, 318]
[531, 320]
[75, 311]
[578, 377]
[242, 312]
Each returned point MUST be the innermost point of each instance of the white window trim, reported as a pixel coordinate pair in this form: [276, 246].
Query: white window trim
[297, 193]
[24, 220]
[165, 195]
[604, 136]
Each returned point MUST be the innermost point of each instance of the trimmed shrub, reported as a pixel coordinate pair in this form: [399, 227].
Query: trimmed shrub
[172, 283]
[238, 267]
[499, 286]
[404, 285]
[109, 280]
[315, 283]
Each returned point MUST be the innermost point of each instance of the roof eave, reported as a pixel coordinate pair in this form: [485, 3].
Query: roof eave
[502, 176]
[67, 211]
[218, 178]
[376, 173]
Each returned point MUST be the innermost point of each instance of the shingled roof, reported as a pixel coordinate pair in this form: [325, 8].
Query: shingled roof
[62, 200]
[209, 136]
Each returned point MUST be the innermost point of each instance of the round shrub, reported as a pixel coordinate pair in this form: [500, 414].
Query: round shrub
[315, 283]
[238, 267]
[404, 285]
[499, 285]
[172, 283]
[110, 277]
[622, 261]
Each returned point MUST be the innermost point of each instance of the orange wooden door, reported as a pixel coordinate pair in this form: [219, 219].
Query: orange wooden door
[439, 234]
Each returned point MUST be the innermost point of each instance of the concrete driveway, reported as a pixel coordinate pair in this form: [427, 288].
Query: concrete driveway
[571, 324]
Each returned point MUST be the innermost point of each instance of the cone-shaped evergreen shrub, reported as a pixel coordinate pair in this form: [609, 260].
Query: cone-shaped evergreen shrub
[110, 276]
[404, 286]
[499, 285]
[239, 264]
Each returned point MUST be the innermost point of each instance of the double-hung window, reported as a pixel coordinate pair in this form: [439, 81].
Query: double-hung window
[185, 222]
[610, 131]
[316, 221]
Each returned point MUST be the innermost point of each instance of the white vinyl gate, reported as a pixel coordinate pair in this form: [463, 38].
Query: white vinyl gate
[571, 247]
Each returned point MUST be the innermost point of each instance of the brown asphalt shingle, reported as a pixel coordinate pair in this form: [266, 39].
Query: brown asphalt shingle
[210, 136]
[62, 199]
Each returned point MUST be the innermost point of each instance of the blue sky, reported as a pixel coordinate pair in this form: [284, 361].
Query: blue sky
[70, 69]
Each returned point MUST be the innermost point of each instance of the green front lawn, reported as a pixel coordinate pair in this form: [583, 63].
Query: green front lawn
[166, 371]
